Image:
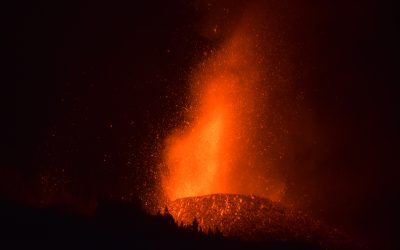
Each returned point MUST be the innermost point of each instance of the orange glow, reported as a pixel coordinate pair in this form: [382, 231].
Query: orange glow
[215, 151]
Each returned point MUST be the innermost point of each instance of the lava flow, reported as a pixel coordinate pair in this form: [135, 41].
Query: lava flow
[216, 151]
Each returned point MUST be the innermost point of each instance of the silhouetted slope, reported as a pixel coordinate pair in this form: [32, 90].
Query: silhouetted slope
[114, 225]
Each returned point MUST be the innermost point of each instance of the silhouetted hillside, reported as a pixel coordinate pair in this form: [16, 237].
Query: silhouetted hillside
[114, 225]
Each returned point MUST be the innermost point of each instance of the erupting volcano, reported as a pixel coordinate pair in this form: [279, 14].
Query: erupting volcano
[219, 150]
[219, 165]
[201, 124]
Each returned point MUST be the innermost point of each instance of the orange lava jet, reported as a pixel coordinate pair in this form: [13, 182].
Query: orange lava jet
[217, 151]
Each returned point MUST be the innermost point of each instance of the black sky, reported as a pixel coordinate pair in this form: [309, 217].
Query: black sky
[94, 86]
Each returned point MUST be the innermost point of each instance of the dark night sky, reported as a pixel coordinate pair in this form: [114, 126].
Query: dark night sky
[96, 86]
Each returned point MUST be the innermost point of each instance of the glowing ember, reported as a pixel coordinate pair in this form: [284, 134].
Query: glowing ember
[216, 152]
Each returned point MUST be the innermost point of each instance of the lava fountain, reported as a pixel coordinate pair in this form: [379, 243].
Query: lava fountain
[216, 151]
[215, 171]
[218, 165]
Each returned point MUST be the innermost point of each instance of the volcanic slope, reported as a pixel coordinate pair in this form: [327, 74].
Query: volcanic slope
[253, 218]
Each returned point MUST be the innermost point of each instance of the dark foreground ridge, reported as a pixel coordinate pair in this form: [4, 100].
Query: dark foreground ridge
[115, 225]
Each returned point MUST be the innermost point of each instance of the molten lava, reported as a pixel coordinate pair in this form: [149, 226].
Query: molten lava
[216, 152]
